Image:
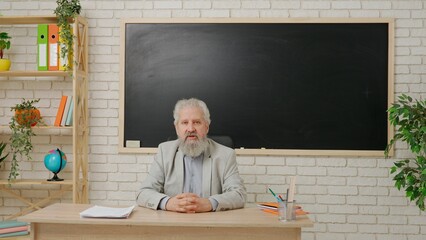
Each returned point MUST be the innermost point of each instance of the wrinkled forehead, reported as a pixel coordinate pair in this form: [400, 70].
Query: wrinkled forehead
[191, 113]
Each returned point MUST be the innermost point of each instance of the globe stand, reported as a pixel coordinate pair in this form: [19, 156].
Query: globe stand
[55, 177]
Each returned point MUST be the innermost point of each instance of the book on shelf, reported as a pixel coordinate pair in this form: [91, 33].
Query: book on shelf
[66, 110]
[68, 122]
[60, 111]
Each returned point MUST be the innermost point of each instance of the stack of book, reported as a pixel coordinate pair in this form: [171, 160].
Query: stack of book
[65, 111]
[269, 207]
[272, 207]
[13, 228]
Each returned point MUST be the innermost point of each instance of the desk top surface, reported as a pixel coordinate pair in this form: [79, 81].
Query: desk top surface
[64, 213]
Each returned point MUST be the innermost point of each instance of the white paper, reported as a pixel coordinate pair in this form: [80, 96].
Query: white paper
[42, 56]
[53, 54]
[107, 212]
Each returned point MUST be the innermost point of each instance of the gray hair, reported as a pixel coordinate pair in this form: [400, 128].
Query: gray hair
[192, 102]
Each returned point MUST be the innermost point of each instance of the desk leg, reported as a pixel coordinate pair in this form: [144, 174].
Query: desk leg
[32, 226]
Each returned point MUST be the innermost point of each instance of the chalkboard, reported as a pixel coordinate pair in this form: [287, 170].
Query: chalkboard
[273, 85]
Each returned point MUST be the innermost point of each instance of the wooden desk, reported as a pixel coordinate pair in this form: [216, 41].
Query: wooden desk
[62, 221]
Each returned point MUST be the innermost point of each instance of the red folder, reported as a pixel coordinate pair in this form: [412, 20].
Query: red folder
[53, 47]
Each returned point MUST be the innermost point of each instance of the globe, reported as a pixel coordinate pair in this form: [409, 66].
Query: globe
[55, 161]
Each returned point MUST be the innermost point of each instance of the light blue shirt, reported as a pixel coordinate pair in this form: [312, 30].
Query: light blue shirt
[193, 180]
[193, 175]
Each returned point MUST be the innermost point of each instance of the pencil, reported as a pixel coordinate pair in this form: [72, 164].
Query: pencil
[275, 196]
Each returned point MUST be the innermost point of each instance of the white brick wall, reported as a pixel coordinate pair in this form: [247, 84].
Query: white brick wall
[349, 198]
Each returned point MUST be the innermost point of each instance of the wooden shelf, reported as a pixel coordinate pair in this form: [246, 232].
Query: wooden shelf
[80, 129]
[23, 73]
[34, 182]
[42, 127]
[6, 20]
[43, 130]
[45, 19]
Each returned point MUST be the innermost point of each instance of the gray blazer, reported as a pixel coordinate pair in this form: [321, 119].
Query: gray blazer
[221, 179]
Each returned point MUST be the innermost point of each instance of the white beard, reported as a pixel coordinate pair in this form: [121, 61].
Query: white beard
[194, 148]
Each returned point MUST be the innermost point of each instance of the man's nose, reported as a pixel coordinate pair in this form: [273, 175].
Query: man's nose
[191, 127]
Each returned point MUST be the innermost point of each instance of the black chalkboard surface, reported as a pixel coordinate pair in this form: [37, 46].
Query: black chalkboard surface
[308, 86]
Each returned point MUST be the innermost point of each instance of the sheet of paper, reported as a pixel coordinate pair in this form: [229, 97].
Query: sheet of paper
[107, 212]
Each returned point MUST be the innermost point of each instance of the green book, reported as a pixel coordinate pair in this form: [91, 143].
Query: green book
[13, 234]
[8, 224]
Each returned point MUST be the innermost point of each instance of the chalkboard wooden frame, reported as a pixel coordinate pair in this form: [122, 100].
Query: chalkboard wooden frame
[261, 151]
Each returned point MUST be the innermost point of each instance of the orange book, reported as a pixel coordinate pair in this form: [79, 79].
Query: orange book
[60, 112]
[53, 47]
[298, 211]
[271, 207]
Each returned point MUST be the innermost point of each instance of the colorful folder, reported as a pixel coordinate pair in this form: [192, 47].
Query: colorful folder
[64, 60]
[42, 39]
[53, 47]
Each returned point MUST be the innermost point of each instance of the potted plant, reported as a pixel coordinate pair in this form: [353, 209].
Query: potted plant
[66, 10]
[4, 44]
[26, 116]
[409, 118]
[2, 147]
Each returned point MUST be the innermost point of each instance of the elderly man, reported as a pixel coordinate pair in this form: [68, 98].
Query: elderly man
[193, 173]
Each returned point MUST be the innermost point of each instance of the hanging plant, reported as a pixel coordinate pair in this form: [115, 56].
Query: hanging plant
[409, 117]
[26, 116]
[65, 11]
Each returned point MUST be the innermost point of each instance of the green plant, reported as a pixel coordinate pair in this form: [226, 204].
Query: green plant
[26, 116]
[66, 10]
[409, 118]
[4, 42]
[2, 147]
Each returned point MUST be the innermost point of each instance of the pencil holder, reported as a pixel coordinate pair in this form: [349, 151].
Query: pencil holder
[287, 211]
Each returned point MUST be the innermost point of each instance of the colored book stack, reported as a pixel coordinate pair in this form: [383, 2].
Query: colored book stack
[272, 207]
[65, 112]
[49, 49]
[13, 229]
